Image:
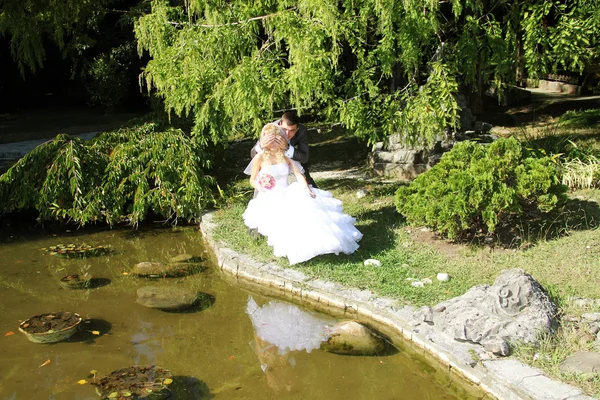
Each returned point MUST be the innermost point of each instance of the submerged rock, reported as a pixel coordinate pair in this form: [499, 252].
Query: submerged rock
[166, 298]
[185, 258]
[353, 338]
[159, 270]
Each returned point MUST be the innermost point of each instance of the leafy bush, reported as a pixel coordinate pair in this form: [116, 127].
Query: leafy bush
[107, 78]
[476, 188]
[119, 176]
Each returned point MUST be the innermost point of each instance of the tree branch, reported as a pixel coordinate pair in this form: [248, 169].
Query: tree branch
[232, 23]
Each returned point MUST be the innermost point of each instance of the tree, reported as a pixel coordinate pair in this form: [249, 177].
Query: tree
[31, 25]
[378, 66]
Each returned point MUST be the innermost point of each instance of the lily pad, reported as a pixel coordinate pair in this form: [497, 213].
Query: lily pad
[137, 382]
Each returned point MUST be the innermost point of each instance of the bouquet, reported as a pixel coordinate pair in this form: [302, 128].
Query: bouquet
[266, 181]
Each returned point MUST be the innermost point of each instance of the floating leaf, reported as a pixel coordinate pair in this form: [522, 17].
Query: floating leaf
[168, 381]
[113, 395]
[45, 363]
[82, 381]
[126, 394]
[9, 333]
[95, 333]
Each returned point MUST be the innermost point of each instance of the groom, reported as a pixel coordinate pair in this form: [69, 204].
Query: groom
[297, 137]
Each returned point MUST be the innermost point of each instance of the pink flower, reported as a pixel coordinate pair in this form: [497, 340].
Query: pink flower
[266, 181]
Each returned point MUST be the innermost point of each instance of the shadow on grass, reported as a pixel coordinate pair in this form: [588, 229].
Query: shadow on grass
[577, 215]
[513, 116]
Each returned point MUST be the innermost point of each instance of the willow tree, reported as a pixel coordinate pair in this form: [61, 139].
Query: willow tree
[378, 66]
[30, 25]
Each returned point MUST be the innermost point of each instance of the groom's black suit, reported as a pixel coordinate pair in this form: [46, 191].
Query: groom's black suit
[300, 144]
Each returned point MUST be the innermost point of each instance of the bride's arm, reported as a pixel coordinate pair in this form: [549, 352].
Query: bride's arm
[256, 166]
[299, 176]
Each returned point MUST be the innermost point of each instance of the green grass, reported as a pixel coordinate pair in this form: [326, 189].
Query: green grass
[569, 262]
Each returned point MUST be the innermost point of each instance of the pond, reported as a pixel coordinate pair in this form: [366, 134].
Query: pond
[211, 351]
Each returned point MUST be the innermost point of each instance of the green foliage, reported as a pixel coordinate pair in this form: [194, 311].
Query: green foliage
[475, 189]
[119, 176]
[379, 67]
[107, 77]
[30, 24]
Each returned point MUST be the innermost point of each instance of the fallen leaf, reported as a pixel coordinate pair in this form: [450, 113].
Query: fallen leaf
[231, 358]
[19, 261]
[82, 381]
[9, 333]
[95, 333]
[125, 273]
[45, 363]
[113, 395]
[168, 381]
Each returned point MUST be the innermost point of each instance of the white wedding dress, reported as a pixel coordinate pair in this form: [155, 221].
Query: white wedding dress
[296, 225]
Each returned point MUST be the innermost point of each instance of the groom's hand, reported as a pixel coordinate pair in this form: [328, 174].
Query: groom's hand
[273, 140]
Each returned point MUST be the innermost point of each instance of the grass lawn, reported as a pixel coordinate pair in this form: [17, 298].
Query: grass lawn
[562, 253]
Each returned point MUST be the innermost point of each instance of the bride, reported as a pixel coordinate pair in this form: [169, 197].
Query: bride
[299, 222]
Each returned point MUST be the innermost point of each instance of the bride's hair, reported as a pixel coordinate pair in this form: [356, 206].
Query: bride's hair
[275, 156]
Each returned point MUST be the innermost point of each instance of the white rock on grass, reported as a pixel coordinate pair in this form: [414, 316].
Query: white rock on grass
[361, 193]
[417, 284]
[372, 261]
[443, 277]
[427, 281]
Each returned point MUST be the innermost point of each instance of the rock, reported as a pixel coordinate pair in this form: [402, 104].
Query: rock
[593, 328]
[182, 258]
[497, 346]
[166, 298]
[481, 126]
[417, 284]
[591, 317]
[361, 193]
[443, 277]
[515, 309]
[372, 261]
[582, 362]
[350, 337]
[160, 270]
[427, 281]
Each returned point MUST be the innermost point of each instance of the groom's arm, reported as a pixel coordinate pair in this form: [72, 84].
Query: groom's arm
[300, 152]
[255, 149]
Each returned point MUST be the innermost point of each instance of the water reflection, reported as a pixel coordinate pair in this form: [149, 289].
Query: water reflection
[281, 331]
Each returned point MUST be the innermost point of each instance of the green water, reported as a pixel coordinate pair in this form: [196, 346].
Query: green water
[210, 352]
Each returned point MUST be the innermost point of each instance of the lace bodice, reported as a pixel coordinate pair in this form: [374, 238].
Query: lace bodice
[279, 171]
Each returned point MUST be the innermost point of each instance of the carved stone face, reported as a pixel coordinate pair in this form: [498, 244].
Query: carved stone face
[512, 297]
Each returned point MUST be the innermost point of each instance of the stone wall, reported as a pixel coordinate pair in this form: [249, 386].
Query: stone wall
[404, 162]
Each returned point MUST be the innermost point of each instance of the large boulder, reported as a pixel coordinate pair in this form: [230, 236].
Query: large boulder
[350, 337]
[515, 309]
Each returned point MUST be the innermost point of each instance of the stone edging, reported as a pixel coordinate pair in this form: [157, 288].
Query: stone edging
[501, 378]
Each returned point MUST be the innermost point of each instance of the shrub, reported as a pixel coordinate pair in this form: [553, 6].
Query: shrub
[119, 176]
[475, 188]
